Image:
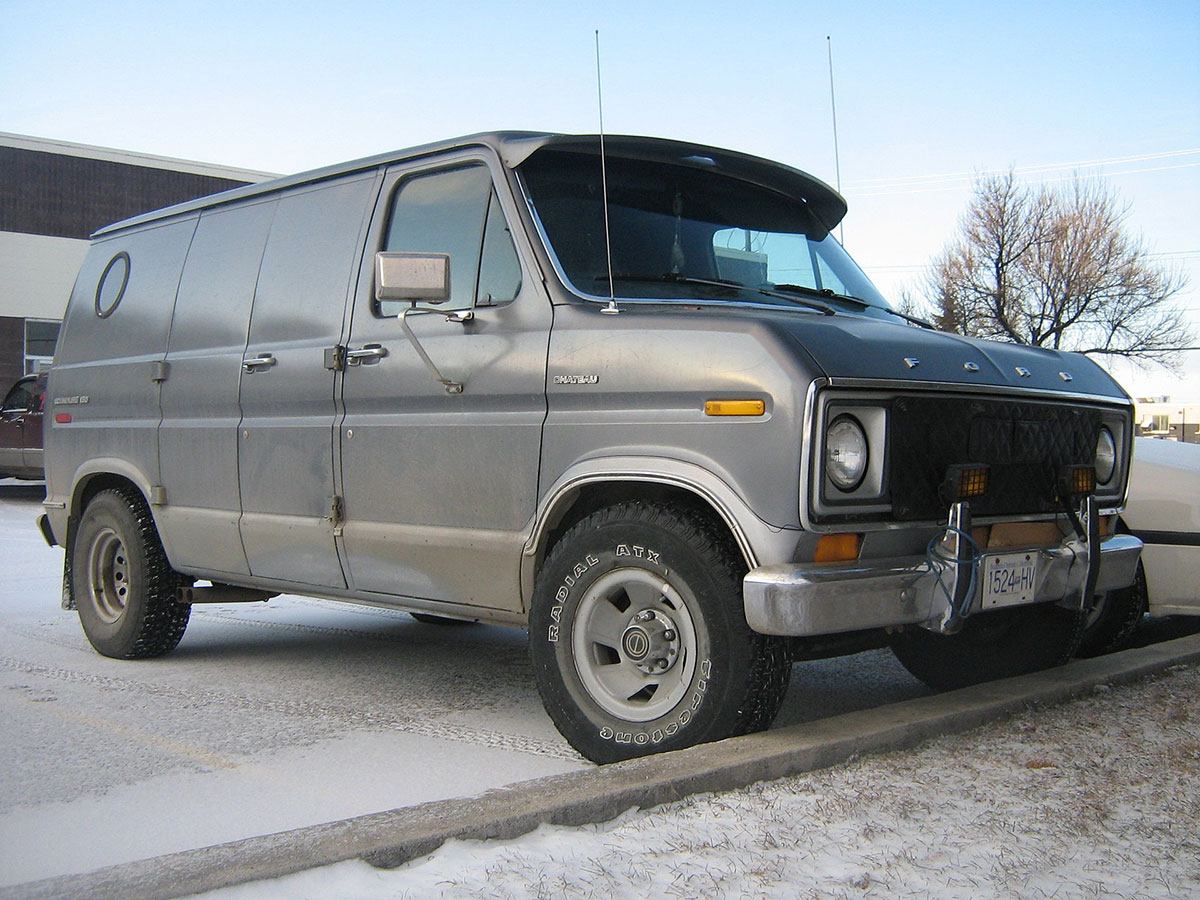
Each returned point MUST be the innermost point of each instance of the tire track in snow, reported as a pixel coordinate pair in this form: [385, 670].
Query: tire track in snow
[421, 722]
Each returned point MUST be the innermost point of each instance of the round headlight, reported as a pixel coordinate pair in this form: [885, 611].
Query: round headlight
[1106, 457]
[845, 453]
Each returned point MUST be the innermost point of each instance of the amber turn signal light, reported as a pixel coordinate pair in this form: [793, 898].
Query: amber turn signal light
[838, 548]
[735, 408]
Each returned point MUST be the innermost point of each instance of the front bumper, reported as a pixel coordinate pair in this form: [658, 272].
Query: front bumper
[808, 599]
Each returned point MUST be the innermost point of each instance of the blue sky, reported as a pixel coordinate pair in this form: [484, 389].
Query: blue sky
[928, 94]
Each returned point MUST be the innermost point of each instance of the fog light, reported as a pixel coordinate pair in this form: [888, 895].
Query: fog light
[1076, 481]
[965, 482]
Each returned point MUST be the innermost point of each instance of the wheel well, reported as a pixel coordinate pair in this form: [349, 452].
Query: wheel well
[105, 481]
[591, 497]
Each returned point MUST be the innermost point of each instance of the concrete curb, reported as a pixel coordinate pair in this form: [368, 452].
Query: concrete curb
[596, 795]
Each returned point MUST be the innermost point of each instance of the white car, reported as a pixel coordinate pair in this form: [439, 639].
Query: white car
[1164, 511]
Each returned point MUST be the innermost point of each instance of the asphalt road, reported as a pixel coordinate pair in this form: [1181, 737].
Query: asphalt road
[272, 716]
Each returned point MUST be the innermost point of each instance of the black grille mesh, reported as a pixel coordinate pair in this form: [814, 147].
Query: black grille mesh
[1026, 445]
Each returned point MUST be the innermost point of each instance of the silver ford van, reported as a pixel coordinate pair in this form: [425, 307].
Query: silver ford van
[643, 404]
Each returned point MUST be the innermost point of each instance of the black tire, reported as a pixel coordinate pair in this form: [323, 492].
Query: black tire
[123, 586]
[991, 645]
[638, 637]
[1111, 622]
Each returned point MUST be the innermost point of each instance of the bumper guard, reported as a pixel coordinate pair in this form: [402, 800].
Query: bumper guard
[938, 593]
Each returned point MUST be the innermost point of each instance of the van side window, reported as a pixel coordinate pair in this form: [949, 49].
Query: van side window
[499, 268]
[456, 212]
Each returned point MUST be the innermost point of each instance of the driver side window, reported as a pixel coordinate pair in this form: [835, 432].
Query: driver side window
[456, 212]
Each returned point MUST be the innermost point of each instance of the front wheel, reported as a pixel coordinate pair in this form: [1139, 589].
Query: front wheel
[991, 645]
[123, 585]
[638, 637]
[1114, 617]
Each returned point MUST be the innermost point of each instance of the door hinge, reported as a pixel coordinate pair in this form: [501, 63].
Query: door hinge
[162, 369]
[335, 358]
[335, 511]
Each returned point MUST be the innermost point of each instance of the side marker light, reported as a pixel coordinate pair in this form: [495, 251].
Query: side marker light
[735, 408]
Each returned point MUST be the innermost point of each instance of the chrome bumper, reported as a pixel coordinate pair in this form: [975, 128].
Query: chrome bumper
[809, 599]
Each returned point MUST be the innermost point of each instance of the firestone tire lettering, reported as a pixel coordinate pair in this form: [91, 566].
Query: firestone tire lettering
[640, 643]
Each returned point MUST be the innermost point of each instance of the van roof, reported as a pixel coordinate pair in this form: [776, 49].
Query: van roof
[514, 147]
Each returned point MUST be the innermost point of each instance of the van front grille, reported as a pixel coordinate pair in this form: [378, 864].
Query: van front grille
[1025, 444]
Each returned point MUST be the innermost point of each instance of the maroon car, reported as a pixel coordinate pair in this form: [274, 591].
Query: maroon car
[21, 428]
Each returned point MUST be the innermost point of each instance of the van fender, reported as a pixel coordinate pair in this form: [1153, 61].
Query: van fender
[757, 541]
[115, 468]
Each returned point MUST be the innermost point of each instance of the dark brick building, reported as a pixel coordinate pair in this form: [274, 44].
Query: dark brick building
[53, 195]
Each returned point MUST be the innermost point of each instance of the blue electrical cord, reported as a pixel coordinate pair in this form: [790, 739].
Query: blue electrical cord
[938, 559]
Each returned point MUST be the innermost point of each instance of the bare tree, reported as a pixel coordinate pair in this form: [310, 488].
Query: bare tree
[1056, 268]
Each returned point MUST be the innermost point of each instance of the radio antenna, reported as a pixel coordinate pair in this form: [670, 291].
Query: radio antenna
[837, 163]
[612, 309]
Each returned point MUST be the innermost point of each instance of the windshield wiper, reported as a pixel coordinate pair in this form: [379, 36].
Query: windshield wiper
[675, 278]
[849, 298]
[821, 292]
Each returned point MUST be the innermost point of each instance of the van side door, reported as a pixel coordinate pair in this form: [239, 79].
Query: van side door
[440, 487]
[198, 438]
[285, 449]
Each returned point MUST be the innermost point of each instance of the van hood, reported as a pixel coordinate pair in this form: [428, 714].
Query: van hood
[850, 346]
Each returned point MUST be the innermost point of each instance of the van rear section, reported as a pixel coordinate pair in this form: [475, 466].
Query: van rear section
[682, 448]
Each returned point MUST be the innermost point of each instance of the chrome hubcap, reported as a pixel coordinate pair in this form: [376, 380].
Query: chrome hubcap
[635, 644]
[651, 642]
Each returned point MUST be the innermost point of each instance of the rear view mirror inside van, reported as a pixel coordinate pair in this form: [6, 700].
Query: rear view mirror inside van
[412, 277]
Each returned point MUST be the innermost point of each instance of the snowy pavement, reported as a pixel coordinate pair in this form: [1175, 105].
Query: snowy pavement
[275, 716]
[271, 717]
[1096, 798]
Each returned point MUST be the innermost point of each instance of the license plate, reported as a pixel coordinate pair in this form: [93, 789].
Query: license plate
[1009, 579]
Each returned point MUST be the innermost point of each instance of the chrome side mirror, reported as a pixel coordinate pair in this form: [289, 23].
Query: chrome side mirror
[412, 277]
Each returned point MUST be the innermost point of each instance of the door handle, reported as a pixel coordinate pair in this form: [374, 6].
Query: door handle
[257, 362]
[368, 352]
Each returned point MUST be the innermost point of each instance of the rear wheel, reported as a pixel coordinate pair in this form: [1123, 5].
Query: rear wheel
[123, 586]
[991, 645]
[638, 639]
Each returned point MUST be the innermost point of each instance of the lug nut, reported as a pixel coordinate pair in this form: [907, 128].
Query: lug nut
[668, 635]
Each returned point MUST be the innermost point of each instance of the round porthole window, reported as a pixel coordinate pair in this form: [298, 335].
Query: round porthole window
[112, 284]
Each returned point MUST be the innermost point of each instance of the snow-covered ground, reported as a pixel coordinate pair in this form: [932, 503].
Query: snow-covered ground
[270, 717]
[1098, 798]
[279, 715]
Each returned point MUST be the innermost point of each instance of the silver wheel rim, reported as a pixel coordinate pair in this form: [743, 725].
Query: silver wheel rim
[108, 575]
[634, 643]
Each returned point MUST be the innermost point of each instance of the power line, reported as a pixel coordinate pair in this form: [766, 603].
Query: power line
[964, 182]
[891, 181]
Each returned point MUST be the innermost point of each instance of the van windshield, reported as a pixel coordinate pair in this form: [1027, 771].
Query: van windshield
[684, 231]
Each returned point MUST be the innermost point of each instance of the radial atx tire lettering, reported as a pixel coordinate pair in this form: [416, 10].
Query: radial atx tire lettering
[991, 645]
[638, 637]
[123, 585]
